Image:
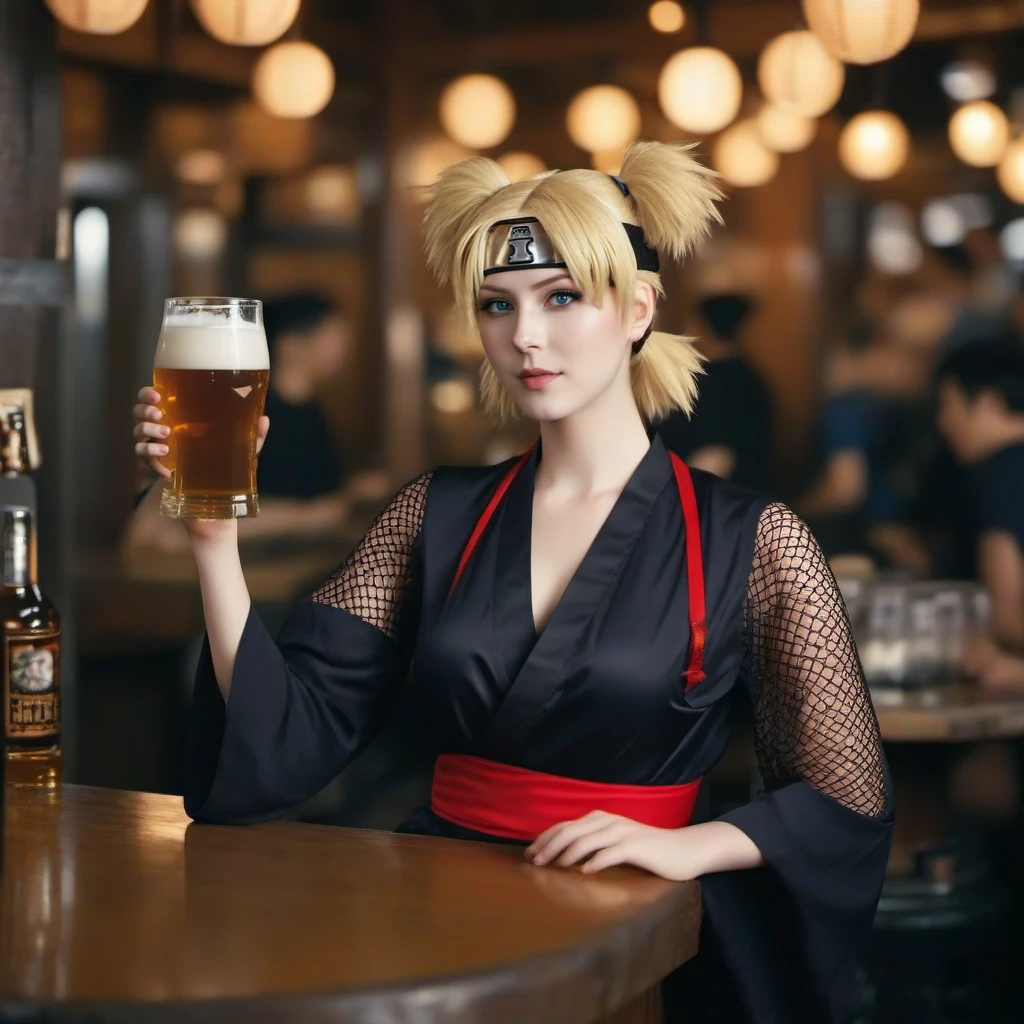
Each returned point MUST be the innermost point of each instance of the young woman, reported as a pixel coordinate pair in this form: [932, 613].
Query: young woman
[584, 622]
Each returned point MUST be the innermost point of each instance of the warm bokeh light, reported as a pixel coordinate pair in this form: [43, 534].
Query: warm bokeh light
[742, 158]
[293, 79]
[874, 145]
[700, 89]
[666, 16]
[796, 71]
[477, 111]
[979, 133]
[430, 158]
[603, 117]
[100, 17]
[332, 192]
[518, 165]
[245, 22]
[199, 234]
[1011, 241]
[863, 31]
[893, 246]
[1010, 172]
[201, 167]
[608, 160]
[785, 130]
[452, 396]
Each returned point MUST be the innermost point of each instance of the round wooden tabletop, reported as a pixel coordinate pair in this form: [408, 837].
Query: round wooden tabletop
[951, 714]
[114, 903]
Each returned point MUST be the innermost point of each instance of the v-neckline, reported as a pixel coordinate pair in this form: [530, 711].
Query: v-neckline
[517, 520]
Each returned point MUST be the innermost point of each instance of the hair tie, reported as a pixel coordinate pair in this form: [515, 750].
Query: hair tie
[623, 187]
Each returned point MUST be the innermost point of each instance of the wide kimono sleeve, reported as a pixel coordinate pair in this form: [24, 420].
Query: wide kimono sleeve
[300, 708]
[824, 821]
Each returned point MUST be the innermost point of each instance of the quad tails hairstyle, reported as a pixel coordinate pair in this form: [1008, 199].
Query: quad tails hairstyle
[671, 197]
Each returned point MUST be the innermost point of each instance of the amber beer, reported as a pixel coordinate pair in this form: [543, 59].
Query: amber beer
[211, 370]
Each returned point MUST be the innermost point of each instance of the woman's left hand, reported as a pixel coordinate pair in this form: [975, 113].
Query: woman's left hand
[601, 840]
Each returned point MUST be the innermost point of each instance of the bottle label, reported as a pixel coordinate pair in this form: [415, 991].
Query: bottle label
[32, 686]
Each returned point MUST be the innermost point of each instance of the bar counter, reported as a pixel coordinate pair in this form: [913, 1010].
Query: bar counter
[115, 907]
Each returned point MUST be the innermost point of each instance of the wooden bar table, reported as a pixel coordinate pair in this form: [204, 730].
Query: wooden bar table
[115, 907]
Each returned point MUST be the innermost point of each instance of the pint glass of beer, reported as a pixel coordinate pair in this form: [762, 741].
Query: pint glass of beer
[211, 369]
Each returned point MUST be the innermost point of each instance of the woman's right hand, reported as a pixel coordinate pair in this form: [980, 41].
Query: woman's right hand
[151, 446]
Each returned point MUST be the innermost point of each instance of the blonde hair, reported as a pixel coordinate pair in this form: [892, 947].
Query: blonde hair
[672, 198]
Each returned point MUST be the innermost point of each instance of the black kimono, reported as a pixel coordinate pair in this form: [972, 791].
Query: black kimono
[599, 696]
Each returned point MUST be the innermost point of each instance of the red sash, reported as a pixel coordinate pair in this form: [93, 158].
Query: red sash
[516, 803]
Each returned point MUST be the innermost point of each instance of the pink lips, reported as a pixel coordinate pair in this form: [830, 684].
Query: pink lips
[537, 378]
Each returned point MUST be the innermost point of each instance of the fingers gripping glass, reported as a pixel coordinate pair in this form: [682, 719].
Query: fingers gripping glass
[211, 369]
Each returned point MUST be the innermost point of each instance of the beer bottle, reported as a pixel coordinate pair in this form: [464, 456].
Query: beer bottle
[29, 660]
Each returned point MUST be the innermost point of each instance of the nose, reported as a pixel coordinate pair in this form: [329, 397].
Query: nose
[529, 329]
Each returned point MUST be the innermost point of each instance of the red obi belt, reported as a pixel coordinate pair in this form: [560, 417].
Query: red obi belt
[517, 803]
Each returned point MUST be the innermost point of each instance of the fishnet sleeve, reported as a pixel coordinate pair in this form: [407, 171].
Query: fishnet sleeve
[375, 579]
[814, 721]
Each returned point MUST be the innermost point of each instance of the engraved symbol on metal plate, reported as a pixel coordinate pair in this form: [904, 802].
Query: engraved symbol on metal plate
[520, 238]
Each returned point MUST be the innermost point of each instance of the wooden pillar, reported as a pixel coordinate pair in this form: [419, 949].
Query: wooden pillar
[33, 292]
[401, 352]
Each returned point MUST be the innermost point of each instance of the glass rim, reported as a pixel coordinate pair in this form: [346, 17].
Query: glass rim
[212, 301]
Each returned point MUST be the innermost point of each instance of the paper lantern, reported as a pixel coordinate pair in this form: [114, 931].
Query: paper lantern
[795, 70]
[666, 16]
[700, 89]
[978, 133]
[862, 31]
[521, 165]
[742, 158]
[477, 111]
[293, 80]
[603, 117]
[1010, 172]
[874, 145]
[785, 130]
[246, 22]
[100, 17]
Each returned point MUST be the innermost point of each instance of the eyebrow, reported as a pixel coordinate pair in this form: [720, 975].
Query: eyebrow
[487, 286]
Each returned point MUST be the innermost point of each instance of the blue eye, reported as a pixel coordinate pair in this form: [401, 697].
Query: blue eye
[496, 306]
[564, 297]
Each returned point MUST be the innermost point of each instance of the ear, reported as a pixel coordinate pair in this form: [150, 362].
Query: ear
[644, 305]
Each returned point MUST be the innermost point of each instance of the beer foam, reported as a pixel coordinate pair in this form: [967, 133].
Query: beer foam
[208, 342]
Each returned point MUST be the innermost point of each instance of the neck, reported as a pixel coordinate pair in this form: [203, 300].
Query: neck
[595, 450]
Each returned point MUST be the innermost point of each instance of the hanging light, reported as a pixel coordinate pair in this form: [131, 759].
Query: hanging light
[978, 133]
[700, 89]
[519, 165]
[477, 111]
[666, 16]
[783, 129]
[863, 31]
[603, 117]
[874, 145]
[795, 70]
[331, 192]
[199, 234]
[99, 17]
[293, 79]
[244, 22]
[742, 158]
[1010, 172]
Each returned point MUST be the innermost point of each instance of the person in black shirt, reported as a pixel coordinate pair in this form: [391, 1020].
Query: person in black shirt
[729, 433]
[303, 485]
[981, 417]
